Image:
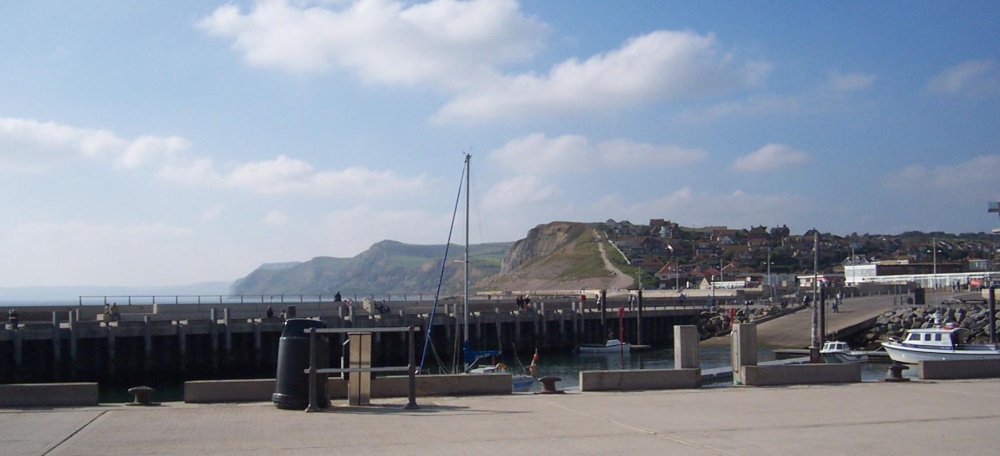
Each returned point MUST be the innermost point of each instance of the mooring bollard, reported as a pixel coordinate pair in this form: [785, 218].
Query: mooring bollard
[895, 373]
[549, 385]
[143, 396]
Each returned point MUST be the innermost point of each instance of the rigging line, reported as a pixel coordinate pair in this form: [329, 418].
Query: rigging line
[481, 226]
[444, 263]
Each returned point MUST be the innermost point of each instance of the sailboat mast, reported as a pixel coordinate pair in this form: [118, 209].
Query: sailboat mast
[465, 317]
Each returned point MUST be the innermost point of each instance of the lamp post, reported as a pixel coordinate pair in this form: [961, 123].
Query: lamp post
[677, 271]
[770, 289]
[934, 271]
[934, 250]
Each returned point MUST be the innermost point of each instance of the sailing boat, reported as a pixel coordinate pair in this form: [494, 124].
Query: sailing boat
[519, 382]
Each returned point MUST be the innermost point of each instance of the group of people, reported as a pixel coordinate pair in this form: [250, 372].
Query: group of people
[838, 299]
[523, 302]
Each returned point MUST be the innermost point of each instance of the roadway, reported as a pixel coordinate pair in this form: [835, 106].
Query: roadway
[795, 330]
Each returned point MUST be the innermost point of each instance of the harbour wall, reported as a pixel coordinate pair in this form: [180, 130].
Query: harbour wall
[193, 341]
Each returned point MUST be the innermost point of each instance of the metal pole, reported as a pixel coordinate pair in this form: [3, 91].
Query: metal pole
[814, 340]
[993, 313]
[770, 288]
[465, 318]
[412, 368]
[313, 407]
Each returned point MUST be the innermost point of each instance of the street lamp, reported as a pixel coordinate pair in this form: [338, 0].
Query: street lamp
[934, 250]
[770, 289]
[677, 272]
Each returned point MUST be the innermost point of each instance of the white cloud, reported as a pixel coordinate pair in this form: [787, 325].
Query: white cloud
[971, 79]
[851, 82]
[770, 157]
[658, 66]
[275, 219]
[972, 177]
[539, 154]
[441, 42]
[463, 47]
[29, 145]
[520, 190]
[147, 149]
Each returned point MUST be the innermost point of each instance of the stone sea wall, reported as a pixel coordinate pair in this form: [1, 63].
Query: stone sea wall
[715, 321]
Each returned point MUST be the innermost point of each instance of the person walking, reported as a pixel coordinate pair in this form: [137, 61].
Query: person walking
[13, 318]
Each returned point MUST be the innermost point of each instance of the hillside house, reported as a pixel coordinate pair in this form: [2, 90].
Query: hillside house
[648, 265]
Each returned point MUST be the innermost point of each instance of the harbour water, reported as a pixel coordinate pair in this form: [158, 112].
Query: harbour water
[568, 366]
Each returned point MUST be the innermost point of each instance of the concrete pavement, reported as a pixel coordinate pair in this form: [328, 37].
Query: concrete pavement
[914, 418]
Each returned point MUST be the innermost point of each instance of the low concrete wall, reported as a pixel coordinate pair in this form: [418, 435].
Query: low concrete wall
[635, 380]
[48, 395]
[800, 374]
[250, 390]
[260, 390]
[956, 369]
[443, 385]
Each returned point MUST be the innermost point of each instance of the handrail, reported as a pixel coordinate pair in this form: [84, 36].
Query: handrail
[410, 369]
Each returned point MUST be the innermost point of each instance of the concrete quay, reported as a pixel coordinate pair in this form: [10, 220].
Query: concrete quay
[911, 418]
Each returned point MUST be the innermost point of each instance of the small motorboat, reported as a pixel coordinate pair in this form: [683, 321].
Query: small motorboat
[611, 347]
[942, 342]
[840, 352]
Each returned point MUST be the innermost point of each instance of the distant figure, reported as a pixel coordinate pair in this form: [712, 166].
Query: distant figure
[631, 301]
[107, 311]
[282, 315]
[13, 318]
[114, 312]
[337, 297]
[583, 302]
[520, 302]
[269, 313]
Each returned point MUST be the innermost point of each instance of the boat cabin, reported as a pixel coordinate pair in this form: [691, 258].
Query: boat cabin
[835, 346]
[946, 337]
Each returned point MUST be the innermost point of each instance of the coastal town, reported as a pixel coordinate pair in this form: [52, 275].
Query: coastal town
[674, 257]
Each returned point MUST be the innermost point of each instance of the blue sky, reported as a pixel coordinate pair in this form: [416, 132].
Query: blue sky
[160, 143]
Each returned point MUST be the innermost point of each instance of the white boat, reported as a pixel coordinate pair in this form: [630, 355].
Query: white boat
[520, 383]
[938, 343]
[840, 352]
[611, 347]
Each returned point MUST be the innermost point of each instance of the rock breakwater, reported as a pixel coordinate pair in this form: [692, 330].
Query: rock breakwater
[893, 324]
[716, 320]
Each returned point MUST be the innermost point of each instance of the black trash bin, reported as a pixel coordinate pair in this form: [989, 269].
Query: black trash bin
[291, 381]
